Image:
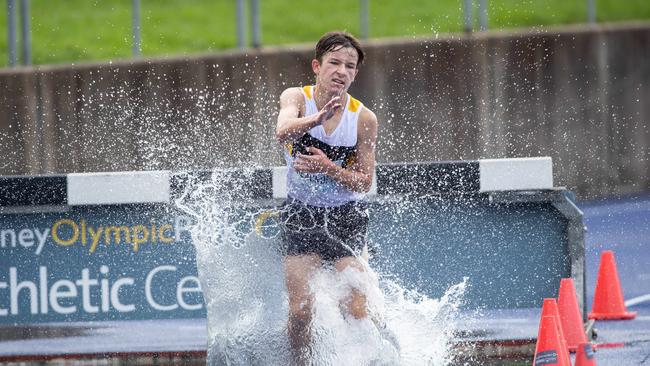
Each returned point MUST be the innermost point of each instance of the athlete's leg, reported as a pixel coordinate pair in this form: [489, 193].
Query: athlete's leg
[298, 270]
[356, 303]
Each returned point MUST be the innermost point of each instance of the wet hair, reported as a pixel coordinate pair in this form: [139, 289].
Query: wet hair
[332, 41]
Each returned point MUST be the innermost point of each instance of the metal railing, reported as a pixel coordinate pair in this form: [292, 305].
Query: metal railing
[470, 8]
[25, 35]
[135, 21]
[11, 32]
[468, 15]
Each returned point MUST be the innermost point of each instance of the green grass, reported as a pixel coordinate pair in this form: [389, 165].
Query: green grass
[66, 31]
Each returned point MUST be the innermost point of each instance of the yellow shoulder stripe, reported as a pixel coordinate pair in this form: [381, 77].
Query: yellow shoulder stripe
[307, 91]
[354, 104]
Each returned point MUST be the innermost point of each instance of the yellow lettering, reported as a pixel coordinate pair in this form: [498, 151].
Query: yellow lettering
[83, 232]
[137, 238]
[154, 238]
[95, 236]
[55, 232]
[161, 233]
[117, 234]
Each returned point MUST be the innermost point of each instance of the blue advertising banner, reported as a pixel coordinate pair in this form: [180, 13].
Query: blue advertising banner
[137, 261]
[98, 263]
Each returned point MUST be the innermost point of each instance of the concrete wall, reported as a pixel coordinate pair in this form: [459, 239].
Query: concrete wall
[579, 95]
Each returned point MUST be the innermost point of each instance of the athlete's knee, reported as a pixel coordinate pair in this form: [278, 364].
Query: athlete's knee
[300, 308]
[357, 305]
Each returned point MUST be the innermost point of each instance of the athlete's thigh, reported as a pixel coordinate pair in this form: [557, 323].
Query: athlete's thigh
[349, 262]
[298, 270]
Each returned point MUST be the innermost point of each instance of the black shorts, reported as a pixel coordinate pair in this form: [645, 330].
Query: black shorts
[330, 232]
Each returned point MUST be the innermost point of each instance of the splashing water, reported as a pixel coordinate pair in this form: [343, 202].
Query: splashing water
[240, 268]
[239, 265]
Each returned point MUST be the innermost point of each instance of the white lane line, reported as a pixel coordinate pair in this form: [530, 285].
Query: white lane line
[637, 300]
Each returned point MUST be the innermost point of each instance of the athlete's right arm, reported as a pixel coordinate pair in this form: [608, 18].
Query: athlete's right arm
[291, 126]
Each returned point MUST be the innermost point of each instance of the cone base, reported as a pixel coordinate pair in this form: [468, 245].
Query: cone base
[573, 349]
[607, 316]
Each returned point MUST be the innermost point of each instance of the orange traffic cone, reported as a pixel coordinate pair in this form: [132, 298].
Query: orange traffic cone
[608, 300]
[549, 308]
[585, 355]
[549, 350]
[570, 316]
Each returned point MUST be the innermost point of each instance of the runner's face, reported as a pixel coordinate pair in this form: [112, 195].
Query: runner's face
[337, 71]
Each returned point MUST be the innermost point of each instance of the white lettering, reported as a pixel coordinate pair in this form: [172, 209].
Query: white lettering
[42, 237]
[3, 238]
[181, 224]
[42, 274]
[14, 291]
[92, 295]
[115, 299]
[85, 282]
[3, 312]
[181, 289]
[106, 305]
[55, 294]
[26, 238]
[147, 289]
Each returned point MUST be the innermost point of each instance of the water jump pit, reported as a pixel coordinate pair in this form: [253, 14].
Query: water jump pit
[183, 268]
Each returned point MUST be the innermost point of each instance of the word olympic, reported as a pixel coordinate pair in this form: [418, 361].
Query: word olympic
[68, 232]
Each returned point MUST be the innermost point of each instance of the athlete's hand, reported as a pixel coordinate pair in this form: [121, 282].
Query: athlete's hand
[330, 109]
[317, 162]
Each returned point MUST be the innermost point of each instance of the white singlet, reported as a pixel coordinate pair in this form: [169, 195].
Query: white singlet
[317, 189]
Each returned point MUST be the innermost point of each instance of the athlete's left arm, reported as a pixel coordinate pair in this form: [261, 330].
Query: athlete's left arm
[358, 176]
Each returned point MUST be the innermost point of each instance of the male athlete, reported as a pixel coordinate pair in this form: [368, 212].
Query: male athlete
[329, 144]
